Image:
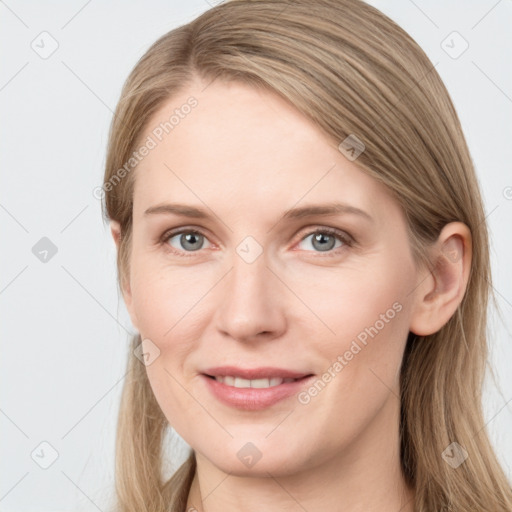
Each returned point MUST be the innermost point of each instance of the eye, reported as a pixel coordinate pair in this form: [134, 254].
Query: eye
[186, 240]
[324, 239]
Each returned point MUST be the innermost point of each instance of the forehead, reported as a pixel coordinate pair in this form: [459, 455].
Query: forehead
[244, 149]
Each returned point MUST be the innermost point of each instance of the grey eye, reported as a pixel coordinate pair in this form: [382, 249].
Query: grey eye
[323, 242]
[188, 241]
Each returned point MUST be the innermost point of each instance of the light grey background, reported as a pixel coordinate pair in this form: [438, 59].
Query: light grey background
[64, 328]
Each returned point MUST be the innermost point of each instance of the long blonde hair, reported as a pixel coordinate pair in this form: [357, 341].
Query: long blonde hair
[350, 70]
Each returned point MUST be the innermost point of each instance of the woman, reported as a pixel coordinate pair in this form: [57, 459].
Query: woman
[322, 347]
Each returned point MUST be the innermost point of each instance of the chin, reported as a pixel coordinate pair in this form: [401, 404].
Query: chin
[257, 458]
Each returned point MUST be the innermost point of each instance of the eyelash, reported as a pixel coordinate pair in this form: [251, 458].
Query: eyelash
[346, 239]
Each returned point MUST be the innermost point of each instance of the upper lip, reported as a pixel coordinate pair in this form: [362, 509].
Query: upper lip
[255, 373]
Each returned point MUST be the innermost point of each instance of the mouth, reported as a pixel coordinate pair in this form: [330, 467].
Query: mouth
[254, 389]
[264, 383]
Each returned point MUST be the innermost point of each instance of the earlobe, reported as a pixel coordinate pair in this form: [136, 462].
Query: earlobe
[440, 293]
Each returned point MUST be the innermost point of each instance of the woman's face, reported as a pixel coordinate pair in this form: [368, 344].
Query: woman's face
[256, 289]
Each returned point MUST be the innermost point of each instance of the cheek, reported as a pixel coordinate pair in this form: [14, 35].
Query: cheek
[367, 316]
[349, 300]
[166, 298]
[169, 310]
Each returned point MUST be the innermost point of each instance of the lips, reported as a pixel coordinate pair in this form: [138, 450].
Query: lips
[256, 388]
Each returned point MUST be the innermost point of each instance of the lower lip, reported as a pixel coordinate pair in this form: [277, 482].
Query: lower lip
[253, 399]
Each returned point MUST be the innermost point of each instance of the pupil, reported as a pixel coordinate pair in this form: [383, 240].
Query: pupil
[189, 240]
[321, 238]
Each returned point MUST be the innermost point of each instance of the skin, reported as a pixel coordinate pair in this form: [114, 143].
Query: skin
[249, 156]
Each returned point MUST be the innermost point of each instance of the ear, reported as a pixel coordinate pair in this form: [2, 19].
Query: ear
[442, 287]
[115, 229]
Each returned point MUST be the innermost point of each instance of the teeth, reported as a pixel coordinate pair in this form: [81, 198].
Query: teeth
[230, 381]
[261, 383]
[242, 383]
[238, 382]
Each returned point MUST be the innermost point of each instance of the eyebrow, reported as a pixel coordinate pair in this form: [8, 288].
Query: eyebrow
[293, 213]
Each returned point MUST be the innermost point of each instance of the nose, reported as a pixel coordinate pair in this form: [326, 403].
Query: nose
[251, 303]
